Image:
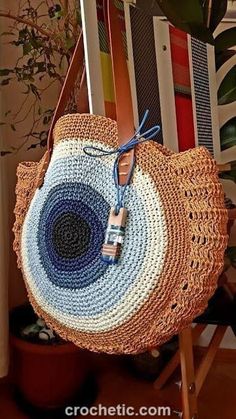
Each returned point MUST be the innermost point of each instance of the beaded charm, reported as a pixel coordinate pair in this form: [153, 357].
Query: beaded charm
[114, 237]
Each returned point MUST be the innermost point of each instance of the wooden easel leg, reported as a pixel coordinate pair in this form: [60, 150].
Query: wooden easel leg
[175, 360]
[189, 398]
[208, 359]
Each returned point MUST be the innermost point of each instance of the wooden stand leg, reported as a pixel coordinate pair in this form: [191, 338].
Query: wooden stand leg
[189, 399]
[175, 360]
[208, 359]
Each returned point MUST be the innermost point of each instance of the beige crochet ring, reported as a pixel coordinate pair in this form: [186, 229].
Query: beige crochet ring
[174, 241]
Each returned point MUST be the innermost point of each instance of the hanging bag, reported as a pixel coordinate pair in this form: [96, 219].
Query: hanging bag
[120, 240]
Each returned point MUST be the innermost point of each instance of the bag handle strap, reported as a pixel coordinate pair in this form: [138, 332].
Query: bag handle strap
[76, 64]
[122, 89]
[123, 98]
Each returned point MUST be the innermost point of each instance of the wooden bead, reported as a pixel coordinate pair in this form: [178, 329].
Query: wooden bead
[114, 238]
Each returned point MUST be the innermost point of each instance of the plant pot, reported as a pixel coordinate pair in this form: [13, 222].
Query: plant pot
[47, 376]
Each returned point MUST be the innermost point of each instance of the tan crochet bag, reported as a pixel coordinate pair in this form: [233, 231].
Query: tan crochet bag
[104, 282]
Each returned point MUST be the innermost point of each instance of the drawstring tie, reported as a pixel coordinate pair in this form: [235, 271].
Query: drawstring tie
[138, 138]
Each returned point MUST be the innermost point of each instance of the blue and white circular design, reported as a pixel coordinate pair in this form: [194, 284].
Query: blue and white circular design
[63, 233]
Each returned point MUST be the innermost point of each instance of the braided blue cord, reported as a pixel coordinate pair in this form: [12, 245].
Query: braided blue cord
[138, 138]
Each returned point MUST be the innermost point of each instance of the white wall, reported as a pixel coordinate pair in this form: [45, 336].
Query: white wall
[12, 99]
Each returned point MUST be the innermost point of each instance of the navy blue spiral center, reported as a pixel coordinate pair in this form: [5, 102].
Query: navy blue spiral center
[71, 235]
[71, 232]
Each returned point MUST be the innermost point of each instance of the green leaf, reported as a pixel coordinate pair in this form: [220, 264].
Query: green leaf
[228, 135]
[225, 40]
[70, 42]
[23, 33]
[231, 253]
[45, 120]
[218, 11]
[231, 175]
[78, 17]
[36, 43]
[58, 15]
[5, 71]
[182, 13]
[27, 48]
[41, 67]
[223, 56]
[34, 90]
[233, 164]
[227, 263]
[203, 34]
[149, 6]
[185, 15]
[227, 89]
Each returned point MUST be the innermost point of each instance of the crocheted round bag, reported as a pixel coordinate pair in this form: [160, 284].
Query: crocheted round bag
[172, 248]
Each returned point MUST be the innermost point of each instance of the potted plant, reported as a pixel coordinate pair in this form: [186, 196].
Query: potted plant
[48, 373]
[42, 36]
